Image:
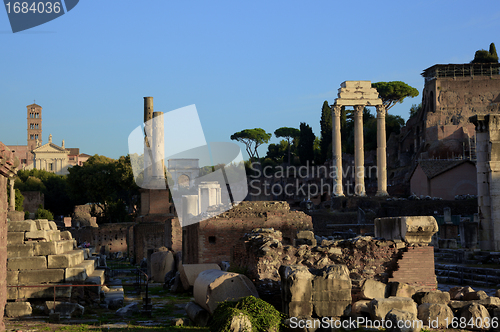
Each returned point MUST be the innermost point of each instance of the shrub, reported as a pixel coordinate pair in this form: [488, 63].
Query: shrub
[41, 213]
[262, 315]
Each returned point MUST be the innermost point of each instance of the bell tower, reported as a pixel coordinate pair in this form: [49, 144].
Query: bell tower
[34, 125]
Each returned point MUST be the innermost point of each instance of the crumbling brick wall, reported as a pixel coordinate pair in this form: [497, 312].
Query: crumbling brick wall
[215, 239]
[8, 165]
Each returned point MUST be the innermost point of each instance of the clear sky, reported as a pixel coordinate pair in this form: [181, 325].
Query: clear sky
[244, 64]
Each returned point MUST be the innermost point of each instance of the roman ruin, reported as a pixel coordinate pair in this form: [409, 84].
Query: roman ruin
[359, 94]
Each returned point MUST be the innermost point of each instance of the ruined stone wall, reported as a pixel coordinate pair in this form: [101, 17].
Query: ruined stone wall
[148, 236]
[8, 168]
[115, 236]
[261, 254]
[213, 240]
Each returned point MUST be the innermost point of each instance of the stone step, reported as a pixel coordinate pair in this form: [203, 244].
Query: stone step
[96, 278]
[68, 259]
[27, 263]
[43, 235]
[37, 277]
[21, 226]
[81, 271]
[54, 247]
[44, 292]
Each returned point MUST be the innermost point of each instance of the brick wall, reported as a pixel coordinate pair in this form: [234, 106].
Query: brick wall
[148, 236]
[416, 268]
[215, 239]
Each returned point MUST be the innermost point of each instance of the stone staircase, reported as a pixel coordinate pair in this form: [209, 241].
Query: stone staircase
[40, 256]
[467, 276]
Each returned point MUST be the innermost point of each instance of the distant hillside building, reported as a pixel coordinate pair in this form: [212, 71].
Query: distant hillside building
[49, 157]
[452, 93]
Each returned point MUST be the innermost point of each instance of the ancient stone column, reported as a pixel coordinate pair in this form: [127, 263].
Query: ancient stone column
[12, 205]
[337, 152]
[158, 149]
[148, 115]
[359, 152]
[381, 152]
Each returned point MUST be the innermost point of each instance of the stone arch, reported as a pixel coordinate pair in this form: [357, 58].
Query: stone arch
[183, 181]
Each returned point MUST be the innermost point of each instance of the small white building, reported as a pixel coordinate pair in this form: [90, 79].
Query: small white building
[51, 158]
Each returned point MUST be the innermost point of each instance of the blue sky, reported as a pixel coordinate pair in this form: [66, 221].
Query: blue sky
[244, 64]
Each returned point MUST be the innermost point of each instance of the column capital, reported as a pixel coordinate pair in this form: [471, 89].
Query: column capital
[336, 109]
[381, 111]
[358, 109]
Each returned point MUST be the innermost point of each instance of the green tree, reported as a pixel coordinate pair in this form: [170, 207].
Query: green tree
[290, 134]
[107, 183]
[306, 144]
[277, 152]
[483, 56]
[53, 186]
[394, 92]
[326, 132]
[252, 138]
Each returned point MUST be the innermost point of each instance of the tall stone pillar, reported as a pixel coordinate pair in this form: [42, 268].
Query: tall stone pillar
[148, 115]
[483, 187]
[158, 149]
[337, 152]
[12, 205]
[359, 152]
[381, 152]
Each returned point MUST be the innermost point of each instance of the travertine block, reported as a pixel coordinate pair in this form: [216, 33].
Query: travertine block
[27, 263]
[80, 272]
[35, 277]
[21, 226]
[53, 247]
[12, 277]
[42, 224]
[20, 250]
[44, 292]
[65, 260]
[15, 238]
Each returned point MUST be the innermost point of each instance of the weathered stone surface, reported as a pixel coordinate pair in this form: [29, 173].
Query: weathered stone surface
[472, 296]
[53, 226]
[456, 293]
[15, 215]
[490, 301]
[478, 314]
[454, 304]
[162, 262]
[432, 297]
[65, 309]
[53, 247]
[128, 310]
[372, 289]
[12, 293]
[18, 309]
[197, 314]
[240, 323]
[403, 321]
[21, 226]
[65, 260]
[79, 272]
[42, 225]
[27, 263]
[38, 235]
[45, 292]
[415, 229]
[360, 308]
[13, 277]
[296, 281]
[400, 289]
[15, 238]
[189, 272]
[66, 235]
[215, 286]
[305, 237]
[381, 306]
[20, 250]
[35, 277]
[96, 278]
[497, 293]
[435, 314]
